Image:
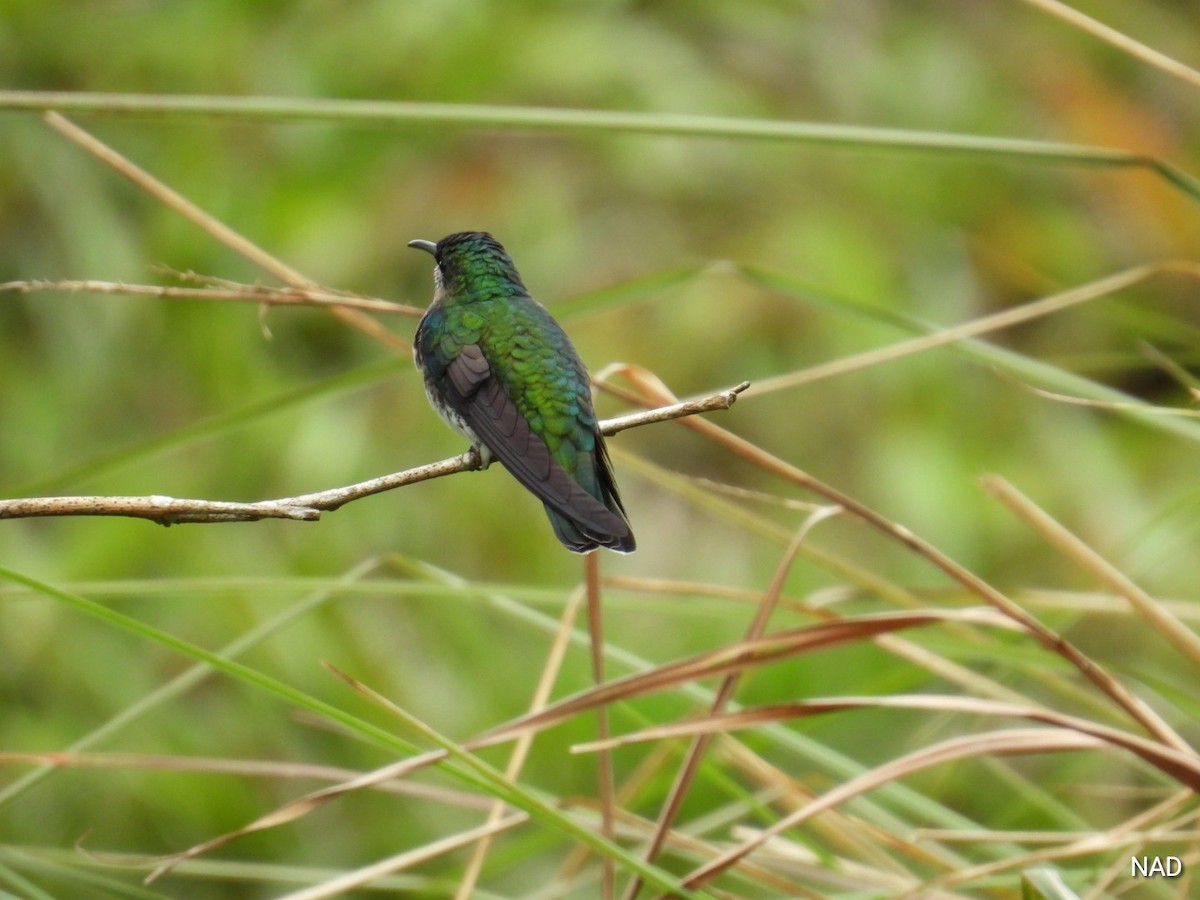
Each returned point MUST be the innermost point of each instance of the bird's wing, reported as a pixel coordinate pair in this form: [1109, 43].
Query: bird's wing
[479, 397]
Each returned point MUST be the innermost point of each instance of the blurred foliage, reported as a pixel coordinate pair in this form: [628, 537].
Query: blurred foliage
[123, 395]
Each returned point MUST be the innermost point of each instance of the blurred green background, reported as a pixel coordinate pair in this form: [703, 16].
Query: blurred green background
[128, 395]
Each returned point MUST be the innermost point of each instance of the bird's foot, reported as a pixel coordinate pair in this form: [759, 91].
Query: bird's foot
[483, 457]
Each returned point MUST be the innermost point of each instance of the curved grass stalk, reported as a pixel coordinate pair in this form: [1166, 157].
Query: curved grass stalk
[533, 118]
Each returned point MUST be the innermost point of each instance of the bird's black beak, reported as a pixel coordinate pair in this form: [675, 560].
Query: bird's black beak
[428, 246]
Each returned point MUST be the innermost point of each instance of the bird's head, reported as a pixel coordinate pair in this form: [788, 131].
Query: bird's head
[471, 265]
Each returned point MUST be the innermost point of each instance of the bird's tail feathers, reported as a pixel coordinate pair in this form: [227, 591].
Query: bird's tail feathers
[579, 538]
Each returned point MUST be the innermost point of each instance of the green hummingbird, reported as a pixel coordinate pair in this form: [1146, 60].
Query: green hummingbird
[504, 374]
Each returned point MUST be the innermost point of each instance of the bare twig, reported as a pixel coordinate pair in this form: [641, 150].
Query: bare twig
[248, 293]
[308, 507]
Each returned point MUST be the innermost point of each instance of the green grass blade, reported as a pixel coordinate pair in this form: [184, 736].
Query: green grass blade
[575, 121]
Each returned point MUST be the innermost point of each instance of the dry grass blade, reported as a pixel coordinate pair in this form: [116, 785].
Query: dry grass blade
[734, 658]
[1183, 767]
[841, 876]
[1118, 39]
[300, 807]
[1159, 617]
[633, 827]
[855, 840]
[970, 681]
[1130, 834]
[679, 587]
[250, 768]
[1009, 318]
[1012, 741]
[367, 874]
[1115, 406]
[604, 770]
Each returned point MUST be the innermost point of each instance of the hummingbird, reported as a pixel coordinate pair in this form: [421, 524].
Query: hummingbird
[503, 374]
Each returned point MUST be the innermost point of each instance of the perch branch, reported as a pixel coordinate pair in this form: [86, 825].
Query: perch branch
[308, 507]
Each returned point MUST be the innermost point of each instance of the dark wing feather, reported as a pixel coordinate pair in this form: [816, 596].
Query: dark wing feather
[479, 397]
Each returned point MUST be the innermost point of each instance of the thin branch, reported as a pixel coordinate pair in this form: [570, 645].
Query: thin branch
[248, 293]
[308, 507]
